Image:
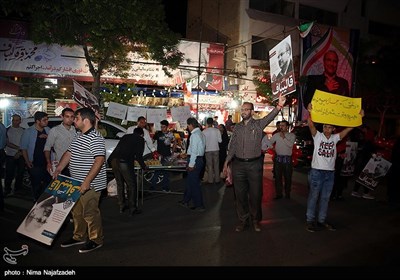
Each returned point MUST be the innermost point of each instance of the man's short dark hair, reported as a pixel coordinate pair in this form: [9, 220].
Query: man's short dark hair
[193, 121]
[164, 122]
[66, 110]
[138, 131]
[86, 113]
[141, 118]
[39, 115]
[209, 121]
[249, 103]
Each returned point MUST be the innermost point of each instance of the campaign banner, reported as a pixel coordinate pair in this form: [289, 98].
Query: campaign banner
[281, 65]
[49, 212]
[349, 161]
[335, 109]
[376, 168]
[86, 99]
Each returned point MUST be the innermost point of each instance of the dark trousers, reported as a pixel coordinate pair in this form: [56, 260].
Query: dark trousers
[2, 159]
[283, 170]
[40, 179]
[14, 169]
[247, 183]
[124, 172]
[193, 184]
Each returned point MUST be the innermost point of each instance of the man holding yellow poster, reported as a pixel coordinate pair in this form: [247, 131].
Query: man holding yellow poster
[335, 109]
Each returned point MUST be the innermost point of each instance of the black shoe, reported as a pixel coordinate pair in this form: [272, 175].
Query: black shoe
[198, 209]
[311, 227]
[183, 204]
[71, 242]
[326, 225]
[241, 227]
[122, 209]
[278, 197]
[256, 226]
[90, 246]
[135, 211]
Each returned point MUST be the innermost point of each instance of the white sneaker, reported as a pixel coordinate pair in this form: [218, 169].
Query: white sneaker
[356, 194]
[368, 196]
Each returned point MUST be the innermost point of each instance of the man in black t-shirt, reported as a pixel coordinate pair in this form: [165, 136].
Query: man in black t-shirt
[165, 139]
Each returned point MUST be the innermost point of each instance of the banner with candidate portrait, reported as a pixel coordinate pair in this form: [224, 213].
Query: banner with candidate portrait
[281, 68]
[373, 172]
[326, 49]
[48, 214]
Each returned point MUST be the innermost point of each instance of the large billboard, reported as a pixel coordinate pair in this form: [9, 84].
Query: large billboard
[23, 56]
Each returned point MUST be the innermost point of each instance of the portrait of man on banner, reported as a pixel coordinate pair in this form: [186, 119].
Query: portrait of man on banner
[281, 64]
[327, 65]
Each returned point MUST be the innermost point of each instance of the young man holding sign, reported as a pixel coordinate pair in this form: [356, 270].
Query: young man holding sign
[321, 176]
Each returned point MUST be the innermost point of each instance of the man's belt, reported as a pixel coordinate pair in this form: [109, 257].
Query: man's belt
[247, 159]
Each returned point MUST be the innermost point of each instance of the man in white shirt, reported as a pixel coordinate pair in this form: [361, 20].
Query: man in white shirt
[59, 139]
[148, 142]
[284, 141]
[15, 165]
[213, 138]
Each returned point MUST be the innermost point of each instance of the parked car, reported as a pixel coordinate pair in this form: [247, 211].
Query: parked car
[111, 132]
[304, 142]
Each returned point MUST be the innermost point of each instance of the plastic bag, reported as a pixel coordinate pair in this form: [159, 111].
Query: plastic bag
[112, 188]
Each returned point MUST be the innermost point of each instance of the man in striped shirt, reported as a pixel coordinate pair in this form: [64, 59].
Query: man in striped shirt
[86, 157]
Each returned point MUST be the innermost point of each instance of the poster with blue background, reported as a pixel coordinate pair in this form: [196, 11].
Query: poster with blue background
[49, 212]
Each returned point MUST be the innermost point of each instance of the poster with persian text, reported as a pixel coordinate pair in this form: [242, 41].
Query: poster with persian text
[49, 212]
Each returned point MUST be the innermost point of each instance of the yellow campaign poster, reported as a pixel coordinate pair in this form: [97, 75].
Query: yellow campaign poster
[335, 109]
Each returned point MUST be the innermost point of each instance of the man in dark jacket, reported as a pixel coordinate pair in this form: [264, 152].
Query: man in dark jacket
[129, 149]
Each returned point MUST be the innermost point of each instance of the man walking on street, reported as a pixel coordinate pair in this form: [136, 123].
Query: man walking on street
[247, 166]
[213, 138]
[86, 156]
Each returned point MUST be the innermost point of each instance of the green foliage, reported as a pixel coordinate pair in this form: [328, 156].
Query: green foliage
[117, 94]
[107, 30]
[39, 88]
[262, 81]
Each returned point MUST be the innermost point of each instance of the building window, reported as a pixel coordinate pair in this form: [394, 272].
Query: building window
[321, 16]
[261, 46]
[279, 7]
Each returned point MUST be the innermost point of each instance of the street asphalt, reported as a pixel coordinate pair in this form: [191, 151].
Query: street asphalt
[167, 235]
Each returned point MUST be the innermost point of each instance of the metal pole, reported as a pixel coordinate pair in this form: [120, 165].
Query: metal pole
[199, 66]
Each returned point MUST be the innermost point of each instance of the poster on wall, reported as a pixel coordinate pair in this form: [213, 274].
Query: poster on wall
[24, 107]
[46, 217]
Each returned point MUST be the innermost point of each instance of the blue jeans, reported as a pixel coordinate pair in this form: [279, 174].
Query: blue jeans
[321, 184]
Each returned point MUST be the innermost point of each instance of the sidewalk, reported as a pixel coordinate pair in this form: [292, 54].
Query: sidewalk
[166, 234]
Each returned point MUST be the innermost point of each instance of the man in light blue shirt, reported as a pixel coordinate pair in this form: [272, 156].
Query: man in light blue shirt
[195, 165]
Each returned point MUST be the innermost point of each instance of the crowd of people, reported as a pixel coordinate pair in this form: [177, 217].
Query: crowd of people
[76, 148]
